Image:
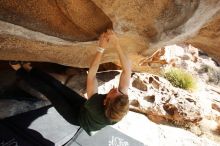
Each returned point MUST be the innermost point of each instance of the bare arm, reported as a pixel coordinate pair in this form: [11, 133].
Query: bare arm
[125, 62]
[126, 71]
[92, 84]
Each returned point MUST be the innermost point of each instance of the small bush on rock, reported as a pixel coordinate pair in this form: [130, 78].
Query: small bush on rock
[180, 78]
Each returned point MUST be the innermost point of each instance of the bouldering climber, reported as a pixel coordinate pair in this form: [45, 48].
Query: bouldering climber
[97, 110]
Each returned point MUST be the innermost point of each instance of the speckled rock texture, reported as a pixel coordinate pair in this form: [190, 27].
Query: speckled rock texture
[66, 31]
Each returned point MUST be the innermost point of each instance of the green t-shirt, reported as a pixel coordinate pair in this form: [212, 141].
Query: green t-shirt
[92, 114]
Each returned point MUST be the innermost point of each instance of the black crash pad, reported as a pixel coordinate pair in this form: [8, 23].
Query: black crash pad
[10, 138]
[44, 126]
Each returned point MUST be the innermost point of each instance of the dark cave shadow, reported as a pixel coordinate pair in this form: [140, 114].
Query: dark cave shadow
[14, 129]
[17, 128]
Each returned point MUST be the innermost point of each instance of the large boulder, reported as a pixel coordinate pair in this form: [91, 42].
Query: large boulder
[47, 31]
[68, 19]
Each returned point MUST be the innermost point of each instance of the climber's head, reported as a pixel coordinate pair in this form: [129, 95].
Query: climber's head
[116, 105]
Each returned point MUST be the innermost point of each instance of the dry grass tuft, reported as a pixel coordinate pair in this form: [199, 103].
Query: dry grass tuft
[180, 78]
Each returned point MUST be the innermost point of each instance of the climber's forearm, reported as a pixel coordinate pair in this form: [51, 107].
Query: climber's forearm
[125, 62]
[94, 65]
[126, 71]
[92, 85]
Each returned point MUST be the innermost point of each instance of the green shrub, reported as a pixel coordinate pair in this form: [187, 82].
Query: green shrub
[180, 78]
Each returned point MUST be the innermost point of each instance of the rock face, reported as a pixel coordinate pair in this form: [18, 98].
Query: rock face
[53, 27]
[162, 103]
[208, 35]
[70, 19]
